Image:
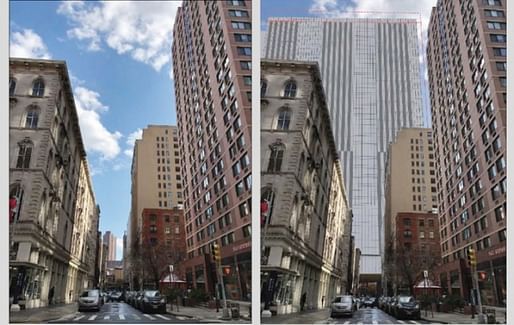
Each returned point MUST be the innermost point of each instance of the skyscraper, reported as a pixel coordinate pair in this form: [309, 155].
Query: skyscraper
[156, 187]
[110, 240]
[371, 74]
[466, 57]
[212, 71]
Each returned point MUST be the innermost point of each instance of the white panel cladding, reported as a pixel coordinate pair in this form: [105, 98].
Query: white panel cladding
[308, 41]
[371, 75]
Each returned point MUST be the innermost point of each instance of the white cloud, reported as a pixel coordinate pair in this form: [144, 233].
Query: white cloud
[27, 44]
[96, 136]
[136, 135]
[131, 139]
[140, 29]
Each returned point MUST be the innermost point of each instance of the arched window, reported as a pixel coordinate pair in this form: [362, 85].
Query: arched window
[290, 89]
[264, 87]
[24, 154]
[12, 86]
[38, 89]
[275, 159]
[284, 118]
[32, 118]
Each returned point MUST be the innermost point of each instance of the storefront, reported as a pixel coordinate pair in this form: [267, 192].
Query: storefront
[25, 284]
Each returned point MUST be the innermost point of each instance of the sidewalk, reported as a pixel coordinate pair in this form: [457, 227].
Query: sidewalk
[42, 314]
[206, 314]
[459, 318]
[304, 317]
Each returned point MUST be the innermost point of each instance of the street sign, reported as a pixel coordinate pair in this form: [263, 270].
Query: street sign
[425, 274]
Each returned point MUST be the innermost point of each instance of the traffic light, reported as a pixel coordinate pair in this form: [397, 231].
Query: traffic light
[482, 275]
[227, 270]
[216, 252]
[472, 258]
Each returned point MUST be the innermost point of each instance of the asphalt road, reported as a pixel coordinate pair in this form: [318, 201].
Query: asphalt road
[371, 316]
[119, 312]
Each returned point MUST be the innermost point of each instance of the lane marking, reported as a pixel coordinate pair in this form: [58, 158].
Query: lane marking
[80, 317]
[92, 317]
[148, 316]
[347, 322]
[375, 322]
[163, 317]
[136, 316]
[122, 317]
[401, 322]
[107, 317]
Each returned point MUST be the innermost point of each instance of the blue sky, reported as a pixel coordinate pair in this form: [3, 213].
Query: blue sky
[118, 56]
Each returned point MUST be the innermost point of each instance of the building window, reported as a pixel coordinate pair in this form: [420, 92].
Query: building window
[12, 86]
[501, 66]
[290, 89]
[241, 25]
[284, 118]
[153, 228]
[406, 222]
[500, 51]
[496, 25]
[238, 13]
[494, 13]
[498, 38]
[24, 154]
[502, 235]
[422, 234]
[275, 160]
[264, 87]
[239, 3]
[247, 231]
[503, 82]
[407, 234]
[247, 80]
[246, 65]
[243, 37]
[38, 88]
[499, 212]
[32, 118]
[244, 209]
[244, 51]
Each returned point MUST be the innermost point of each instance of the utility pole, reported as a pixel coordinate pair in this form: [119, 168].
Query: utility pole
[472, 261]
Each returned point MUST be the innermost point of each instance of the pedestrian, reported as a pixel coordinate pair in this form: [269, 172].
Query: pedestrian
[50, 295]
[302, 300]
[323, 302]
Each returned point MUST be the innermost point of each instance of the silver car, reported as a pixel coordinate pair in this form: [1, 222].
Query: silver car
[342, 306]
[90, 300]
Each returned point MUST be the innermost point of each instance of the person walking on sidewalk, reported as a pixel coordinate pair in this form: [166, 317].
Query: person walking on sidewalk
[302, 300]
[50, 295]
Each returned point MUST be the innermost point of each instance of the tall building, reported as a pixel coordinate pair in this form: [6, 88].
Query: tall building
[156, 184]
[306, 228]
[212, 68]
[53, 214]
[466, 57]
[110, 240]
[410, 187]
[371, 76]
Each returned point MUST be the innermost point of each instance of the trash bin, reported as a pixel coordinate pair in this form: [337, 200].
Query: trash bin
[491, 316]
[234, 309]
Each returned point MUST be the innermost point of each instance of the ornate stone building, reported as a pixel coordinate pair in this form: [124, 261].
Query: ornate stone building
[306, 229]
[54, 217]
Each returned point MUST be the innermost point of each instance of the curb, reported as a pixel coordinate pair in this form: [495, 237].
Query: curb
[433, 320]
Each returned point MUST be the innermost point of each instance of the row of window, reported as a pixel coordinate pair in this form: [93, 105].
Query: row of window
[290, 88]
[38, 87]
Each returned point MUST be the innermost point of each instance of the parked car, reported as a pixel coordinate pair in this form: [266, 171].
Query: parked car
[115, 296]
[151, 301]
[370, 302]
[138, 299]
[407, 307]
[342, 305]
[389, 308]
[90, 300]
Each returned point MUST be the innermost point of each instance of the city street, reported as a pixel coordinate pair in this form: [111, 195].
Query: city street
[372, 316]
[119, 312]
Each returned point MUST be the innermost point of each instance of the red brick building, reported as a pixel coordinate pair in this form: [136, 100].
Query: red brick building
[163, 230]
[417, 248]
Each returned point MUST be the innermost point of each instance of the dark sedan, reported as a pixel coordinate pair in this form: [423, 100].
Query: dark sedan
[153, 301]
[407, 307]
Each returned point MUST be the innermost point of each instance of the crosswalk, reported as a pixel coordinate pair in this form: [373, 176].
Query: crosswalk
[334, 321]
[116, 317]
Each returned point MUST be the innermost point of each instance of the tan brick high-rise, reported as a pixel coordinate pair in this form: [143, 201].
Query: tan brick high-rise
[466, 57]
[156, 184]
[212, 76]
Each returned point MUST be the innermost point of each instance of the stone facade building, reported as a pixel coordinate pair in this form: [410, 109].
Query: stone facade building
[54, 217]
[306, 229]
[467, 60]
